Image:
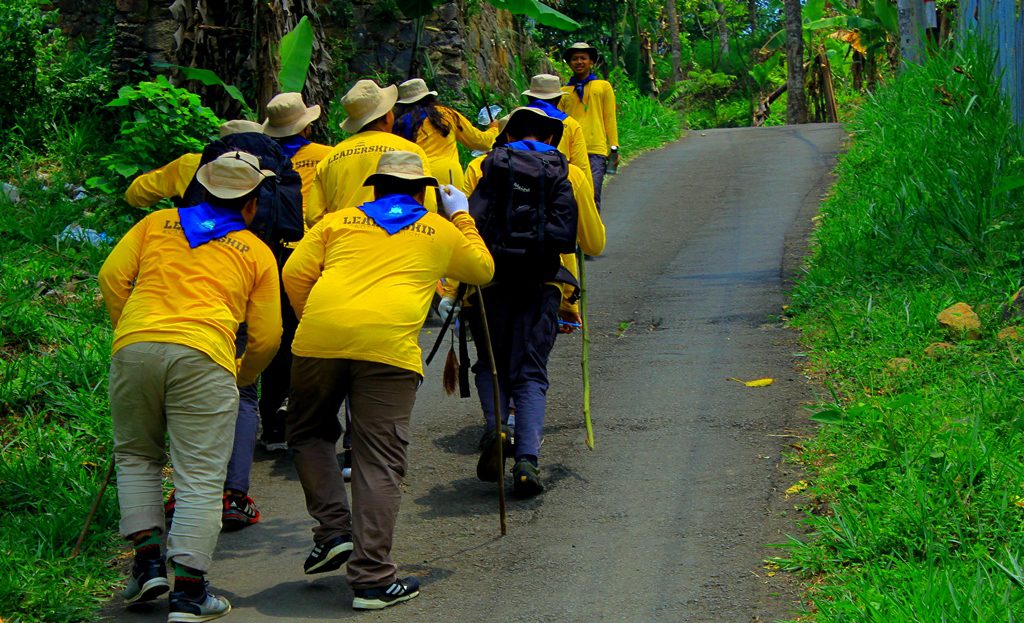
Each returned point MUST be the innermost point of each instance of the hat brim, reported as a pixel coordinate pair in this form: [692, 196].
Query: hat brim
[544, 95]
[281, 131]
[378, 178]
[594, 55]
[525, 123]
[416, 98]
[354, 124]
[227, 192]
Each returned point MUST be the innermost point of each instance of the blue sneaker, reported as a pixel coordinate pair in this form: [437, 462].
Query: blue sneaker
[148, 580]
[207, 607]
[384, 596]
[329, 555]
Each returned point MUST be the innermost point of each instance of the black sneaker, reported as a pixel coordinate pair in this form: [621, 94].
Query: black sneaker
[239, 512]
[206, 607]
[526, 480]
[272, 438]
[488, 468]
[328, 556]
[384, 596]
[148, 580]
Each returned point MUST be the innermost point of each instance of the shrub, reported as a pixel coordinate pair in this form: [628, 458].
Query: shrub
[21, 24]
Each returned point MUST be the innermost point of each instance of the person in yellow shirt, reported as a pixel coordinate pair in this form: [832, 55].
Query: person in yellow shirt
[361, 282]
[338, 181]
[437, 129]
[177, 287]
[545, 93]
[592, 102]
[288, 122]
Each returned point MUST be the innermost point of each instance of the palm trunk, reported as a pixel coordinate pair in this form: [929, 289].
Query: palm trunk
[796, 101]
[675, 48]
[723, 33]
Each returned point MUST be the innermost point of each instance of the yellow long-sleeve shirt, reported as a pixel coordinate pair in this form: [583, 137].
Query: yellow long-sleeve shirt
[596, 114]
[574, 147]
[338, 182]
[157, 289]
[362, 294]
[305, 162]
[443, 152]
[168, 181]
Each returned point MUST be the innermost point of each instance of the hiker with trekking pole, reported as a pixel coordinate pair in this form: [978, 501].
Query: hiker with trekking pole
[532, 209]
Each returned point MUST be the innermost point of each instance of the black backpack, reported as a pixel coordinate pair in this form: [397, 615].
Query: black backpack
[279, 206]
[525, 212]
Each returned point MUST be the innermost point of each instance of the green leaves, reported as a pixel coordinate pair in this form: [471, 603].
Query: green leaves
[296, 52]
[543, 14]
[209, 78]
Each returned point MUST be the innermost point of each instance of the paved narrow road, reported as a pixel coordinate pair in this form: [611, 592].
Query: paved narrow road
[669, 517]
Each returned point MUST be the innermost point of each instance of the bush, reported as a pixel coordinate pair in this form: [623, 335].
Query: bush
[21, 24]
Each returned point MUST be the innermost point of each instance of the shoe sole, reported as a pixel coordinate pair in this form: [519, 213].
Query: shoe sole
[334, 559]
[526, 487]
[234, 524]
[358, 603]
[188, 617]
[275, 447]
[488, 468]
[150, 591]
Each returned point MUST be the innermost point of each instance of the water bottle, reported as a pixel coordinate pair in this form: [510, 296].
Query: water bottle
[612, 166]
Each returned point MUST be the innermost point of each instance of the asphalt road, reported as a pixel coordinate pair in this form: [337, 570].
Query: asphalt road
[670, 517]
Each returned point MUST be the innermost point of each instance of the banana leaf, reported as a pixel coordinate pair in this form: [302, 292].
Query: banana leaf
[209, 78]
[543, 14]
[295, 52]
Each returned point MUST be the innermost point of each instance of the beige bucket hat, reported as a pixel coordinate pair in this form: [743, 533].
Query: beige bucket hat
[287, 115]
[412, 91]
[232, 175]
[366, 101]
[544, 87]
[525, 120]
[580, 46]
[403, 165]
[239, 126]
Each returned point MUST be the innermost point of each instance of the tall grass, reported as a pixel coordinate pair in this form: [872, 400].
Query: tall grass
[918, 485]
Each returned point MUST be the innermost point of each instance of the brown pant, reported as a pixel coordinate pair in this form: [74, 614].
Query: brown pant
[381, 398]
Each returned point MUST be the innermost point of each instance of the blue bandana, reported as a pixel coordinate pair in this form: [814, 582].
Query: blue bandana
[548, 109]
[291, 145]
[394, 212]
[578, 85]
[204, 222]
[531, 146]
[403, 126]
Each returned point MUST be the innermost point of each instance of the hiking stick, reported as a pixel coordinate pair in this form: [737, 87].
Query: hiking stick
[586, 349]
[93, 508]
[497, 411]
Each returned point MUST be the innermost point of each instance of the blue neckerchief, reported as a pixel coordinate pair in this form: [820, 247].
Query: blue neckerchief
[204, 222]
[548, 109]
[291, 145]
[578, 85]
[531, 146]
[403, 127]
[394, 212]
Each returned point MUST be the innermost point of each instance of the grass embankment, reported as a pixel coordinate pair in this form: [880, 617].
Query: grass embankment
[916, 473]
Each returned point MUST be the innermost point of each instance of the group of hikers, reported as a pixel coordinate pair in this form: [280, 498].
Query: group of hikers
[307, 272]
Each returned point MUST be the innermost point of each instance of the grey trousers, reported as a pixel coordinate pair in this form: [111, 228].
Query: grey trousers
[381, 397]
[598, 165]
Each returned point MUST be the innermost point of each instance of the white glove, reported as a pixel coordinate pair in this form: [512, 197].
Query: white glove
[447, 307]
[453, 200]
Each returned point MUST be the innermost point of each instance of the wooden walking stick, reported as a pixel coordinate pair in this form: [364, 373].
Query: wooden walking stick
[586, 349]
[497, 410]
[95, 506]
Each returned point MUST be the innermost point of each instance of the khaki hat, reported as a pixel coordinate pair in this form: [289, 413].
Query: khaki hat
[403, 165]
[366, 101]
[544, 87]
[232, 175]
[525, 120]
[412, 91]
[580, 46]
[287, 115]
[239, 126]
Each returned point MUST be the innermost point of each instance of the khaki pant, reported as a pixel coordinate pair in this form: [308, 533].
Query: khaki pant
[381, 397]
[159, 390]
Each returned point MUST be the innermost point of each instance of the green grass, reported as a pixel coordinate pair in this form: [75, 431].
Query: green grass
[917, 473]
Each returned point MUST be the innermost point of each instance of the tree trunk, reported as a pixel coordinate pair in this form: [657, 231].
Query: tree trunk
[723, 33]
[796, 102]
[752, 14]
[615, 36]
[910, 23]
[675, 47]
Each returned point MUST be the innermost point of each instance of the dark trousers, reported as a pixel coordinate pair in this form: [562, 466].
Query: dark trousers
[275, 380]
[598, 165]
[523, 322]
[382, 398]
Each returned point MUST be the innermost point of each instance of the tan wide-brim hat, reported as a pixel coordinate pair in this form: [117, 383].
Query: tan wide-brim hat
[544, 87]
[525, 121]
[402, 165]
[366, 101]
[232, 175]
[580, 46]
[412, 91]
[287, 115]
[239, 126]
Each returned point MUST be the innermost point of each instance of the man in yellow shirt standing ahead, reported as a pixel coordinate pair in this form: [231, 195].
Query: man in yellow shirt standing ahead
[339, 177]
[361, 282]
[545, 93]
[177, 287]
[592, 102]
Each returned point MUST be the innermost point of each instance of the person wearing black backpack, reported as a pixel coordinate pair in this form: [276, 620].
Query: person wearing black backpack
[531, 208]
